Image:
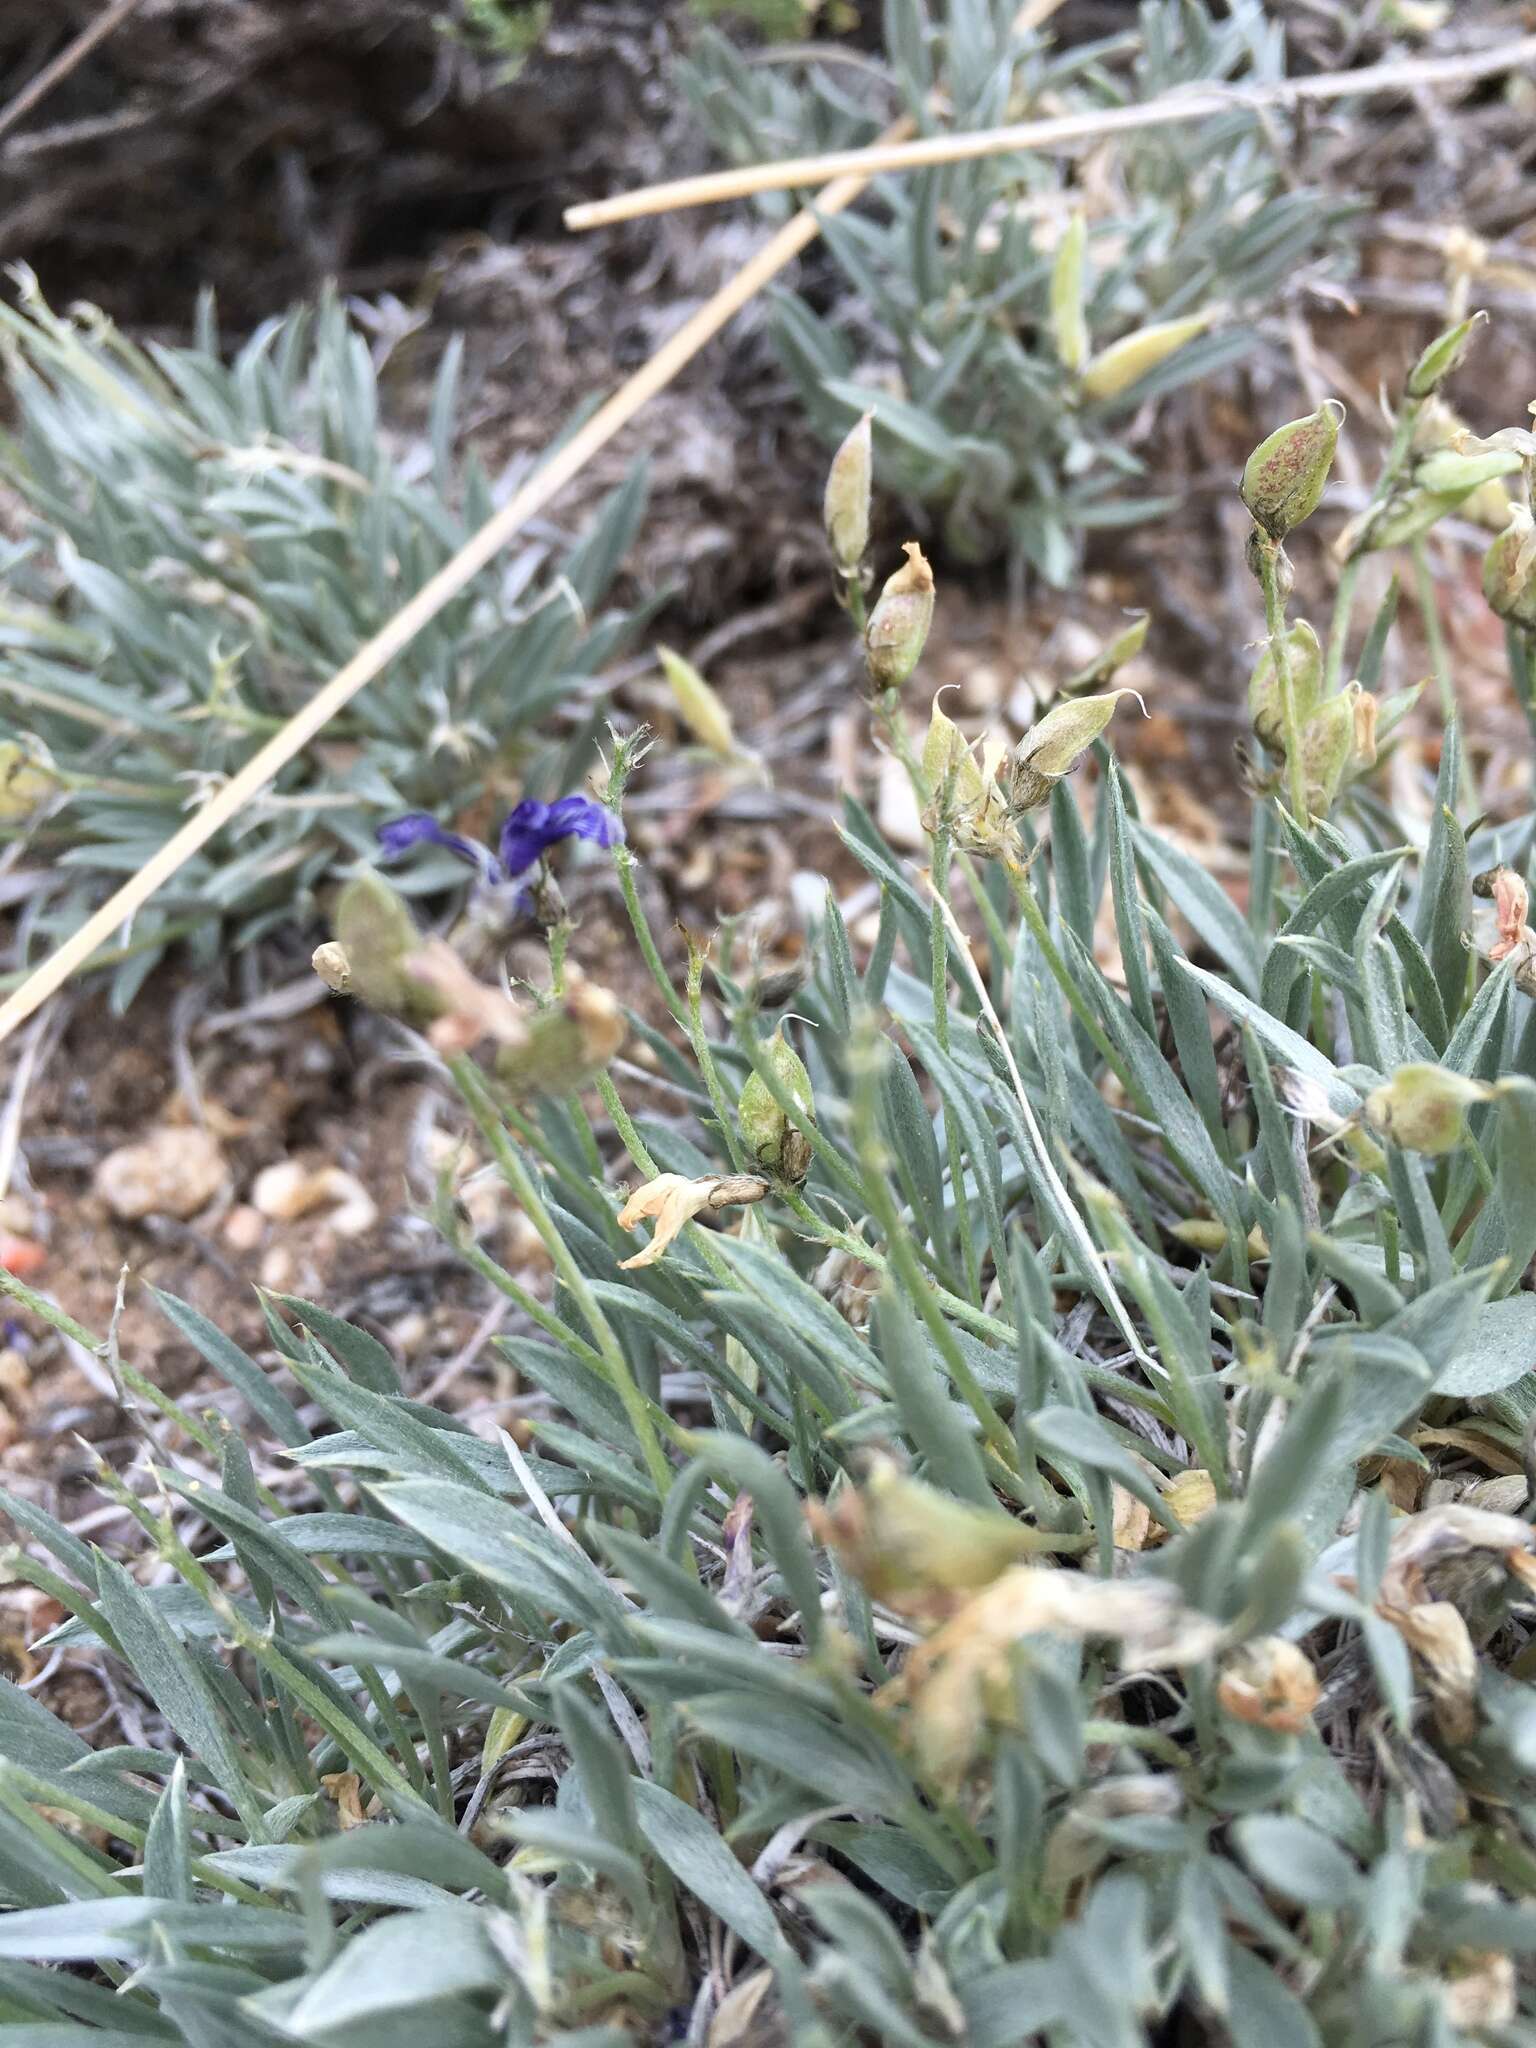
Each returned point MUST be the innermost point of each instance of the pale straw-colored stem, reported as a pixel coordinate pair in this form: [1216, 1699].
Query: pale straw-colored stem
[1195, 104]
[376, 654]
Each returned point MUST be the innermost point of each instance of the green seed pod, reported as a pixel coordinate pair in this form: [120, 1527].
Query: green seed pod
[1304, 664]
[1424, 1108]
[898, 625]
[1284, 476]
[566, 1045]
[1053, 747]
[1509, 571]
[376, 935]
[845, 508]
[1443, 355]
[771, 1139]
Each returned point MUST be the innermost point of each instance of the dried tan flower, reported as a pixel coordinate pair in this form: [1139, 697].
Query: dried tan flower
[673, 1199]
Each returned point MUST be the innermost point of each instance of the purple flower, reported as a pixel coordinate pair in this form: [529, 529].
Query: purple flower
[526, 835]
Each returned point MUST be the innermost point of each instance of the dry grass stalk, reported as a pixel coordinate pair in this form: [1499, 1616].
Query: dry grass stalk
[1405, 75]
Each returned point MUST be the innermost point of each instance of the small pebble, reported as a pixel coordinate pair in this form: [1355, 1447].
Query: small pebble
[244, 1228]
[174, 1171]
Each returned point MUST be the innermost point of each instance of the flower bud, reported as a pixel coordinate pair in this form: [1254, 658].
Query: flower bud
[845, 506]
[1113, 655]
[1053, 747]
[566, 1045]
[1443, 482]
[1304, 665]
[1284, 476]
[26, 782]
[948, 763]
[1069, 327]
[963, 799]
[1443, 355]
[911, 1546]
[898, 625]
[698, 706]
[1424, 1108]
[1366, 709]
[330, 962]
[771, 1139]
[1509, 571]
[1124, 363]
[377, 935]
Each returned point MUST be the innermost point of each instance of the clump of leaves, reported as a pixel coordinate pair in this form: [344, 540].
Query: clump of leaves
[1007, 319]
[206, 541]
[1010, 1558]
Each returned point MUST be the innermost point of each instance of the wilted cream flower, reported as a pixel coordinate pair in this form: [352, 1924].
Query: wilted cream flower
[1424, 1108]
[957, 1681]
[566, 1044]
[1190, 1495]
[1434, 1628]
[917, 1549]
[1511, 904]
[470, 1009]
[673, 1199]
[1509, 570]
[1271, 1684]
[963, 798]
[26, 780]
[898, 626]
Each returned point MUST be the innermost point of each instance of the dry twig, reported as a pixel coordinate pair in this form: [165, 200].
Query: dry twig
[69, 58]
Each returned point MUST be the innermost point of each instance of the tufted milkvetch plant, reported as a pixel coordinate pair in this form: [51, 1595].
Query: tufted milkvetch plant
[1009, 322]
[1022, 1530]
[206, 539]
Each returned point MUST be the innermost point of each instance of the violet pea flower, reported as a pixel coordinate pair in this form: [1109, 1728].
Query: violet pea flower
[527, 834]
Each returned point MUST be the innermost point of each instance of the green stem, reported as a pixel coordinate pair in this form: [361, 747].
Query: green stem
[1274, 620]
[616, 1366]
[939, 948]
[1034, 917]
[1338, 637]
[624, 862]
[698, 1038]
[1439, 655]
